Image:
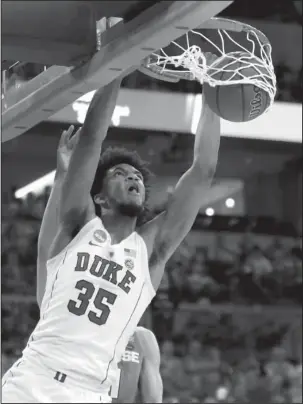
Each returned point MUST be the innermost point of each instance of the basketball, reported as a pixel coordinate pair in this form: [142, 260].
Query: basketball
[237, 102]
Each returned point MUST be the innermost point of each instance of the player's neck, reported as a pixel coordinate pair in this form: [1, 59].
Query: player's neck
[118, 226]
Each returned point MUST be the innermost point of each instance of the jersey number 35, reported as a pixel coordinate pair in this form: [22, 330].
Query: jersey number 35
[101, 302]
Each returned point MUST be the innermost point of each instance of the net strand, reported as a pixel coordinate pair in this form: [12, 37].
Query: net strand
[191, 64]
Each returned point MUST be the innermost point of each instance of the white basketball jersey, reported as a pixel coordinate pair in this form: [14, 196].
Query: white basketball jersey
[95, 296]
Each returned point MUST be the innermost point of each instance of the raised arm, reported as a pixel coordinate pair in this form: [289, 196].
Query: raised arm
[165, 232]
[50, 221]
[75, 197]
[150, 383]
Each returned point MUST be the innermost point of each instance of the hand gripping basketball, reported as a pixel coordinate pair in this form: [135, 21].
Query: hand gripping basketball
[236, 102]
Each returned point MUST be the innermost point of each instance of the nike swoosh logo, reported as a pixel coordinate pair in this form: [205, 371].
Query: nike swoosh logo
[96, 245]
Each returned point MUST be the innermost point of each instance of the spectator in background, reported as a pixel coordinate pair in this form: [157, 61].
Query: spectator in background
[275, 252]
[29, 203]
[295, 390]
[193, 357]
[163, 316]
[202, 367]
[288, 275]
[198, 284]
[15, 207]
[249, 385]
[11, 272]
[171, 370]
[253, 268]
[278, 368]
[177, 270]
[256, 263]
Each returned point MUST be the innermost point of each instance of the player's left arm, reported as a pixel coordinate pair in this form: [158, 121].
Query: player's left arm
[150, 382]
[50, 220]
[166, 231]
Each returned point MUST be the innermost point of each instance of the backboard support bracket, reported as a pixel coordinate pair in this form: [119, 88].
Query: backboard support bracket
[124, 46]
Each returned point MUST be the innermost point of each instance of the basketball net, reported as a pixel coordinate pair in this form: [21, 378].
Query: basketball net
[192, 63]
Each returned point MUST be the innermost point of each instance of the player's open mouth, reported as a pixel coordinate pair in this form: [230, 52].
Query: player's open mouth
[133, 189]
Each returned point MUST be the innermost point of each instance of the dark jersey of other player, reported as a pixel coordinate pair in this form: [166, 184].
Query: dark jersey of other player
[125, 389]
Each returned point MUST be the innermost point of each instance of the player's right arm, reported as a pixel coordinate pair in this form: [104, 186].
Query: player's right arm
[75, 208]
[150, 382]
[84, 161]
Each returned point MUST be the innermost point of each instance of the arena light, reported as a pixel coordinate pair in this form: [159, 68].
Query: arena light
[230, 203]
[36, 186]
[197, 109]
[81, 106]
[209, 212]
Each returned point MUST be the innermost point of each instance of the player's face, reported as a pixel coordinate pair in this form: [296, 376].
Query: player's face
[124, 189]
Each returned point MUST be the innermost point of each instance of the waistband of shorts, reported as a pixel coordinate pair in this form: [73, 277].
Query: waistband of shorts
[68, 378]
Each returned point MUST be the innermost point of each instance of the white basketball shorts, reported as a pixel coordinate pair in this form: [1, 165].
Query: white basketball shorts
[26, 382]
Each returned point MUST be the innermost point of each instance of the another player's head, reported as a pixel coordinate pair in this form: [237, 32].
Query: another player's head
[121, 183]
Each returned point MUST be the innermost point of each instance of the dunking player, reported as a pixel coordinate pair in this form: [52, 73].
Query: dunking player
[138, 377]
[103, 267]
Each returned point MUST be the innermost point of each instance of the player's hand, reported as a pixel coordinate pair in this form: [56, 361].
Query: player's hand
[210, 58]
[66, 147]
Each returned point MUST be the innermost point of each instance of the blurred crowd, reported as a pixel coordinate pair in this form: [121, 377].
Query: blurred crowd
[198, 374]
[250, 275]
[192, 371]
[224, 356]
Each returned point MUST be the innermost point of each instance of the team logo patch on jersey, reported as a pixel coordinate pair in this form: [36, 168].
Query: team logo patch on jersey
[129, 264]
[100, 236]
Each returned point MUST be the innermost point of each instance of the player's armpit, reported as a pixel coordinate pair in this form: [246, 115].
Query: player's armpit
[164, 233]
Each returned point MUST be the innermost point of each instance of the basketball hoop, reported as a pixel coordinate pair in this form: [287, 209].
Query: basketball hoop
[185, 57]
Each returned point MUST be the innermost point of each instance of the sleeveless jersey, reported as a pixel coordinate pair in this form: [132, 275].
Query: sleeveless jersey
[125, 388]
[95, 295]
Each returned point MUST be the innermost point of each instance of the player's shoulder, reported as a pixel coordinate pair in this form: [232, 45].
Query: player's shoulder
[143, 332]
[147, 340]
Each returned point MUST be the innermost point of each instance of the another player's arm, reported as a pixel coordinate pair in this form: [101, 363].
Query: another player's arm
[165, 232]
[48, 231]
[150, 382]
[50, 220]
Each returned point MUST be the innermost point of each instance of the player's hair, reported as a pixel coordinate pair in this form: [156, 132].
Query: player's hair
[113, 156]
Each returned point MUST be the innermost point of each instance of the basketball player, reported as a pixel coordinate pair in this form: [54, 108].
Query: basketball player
[138, 375]
[104, 267]
[138, 378]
